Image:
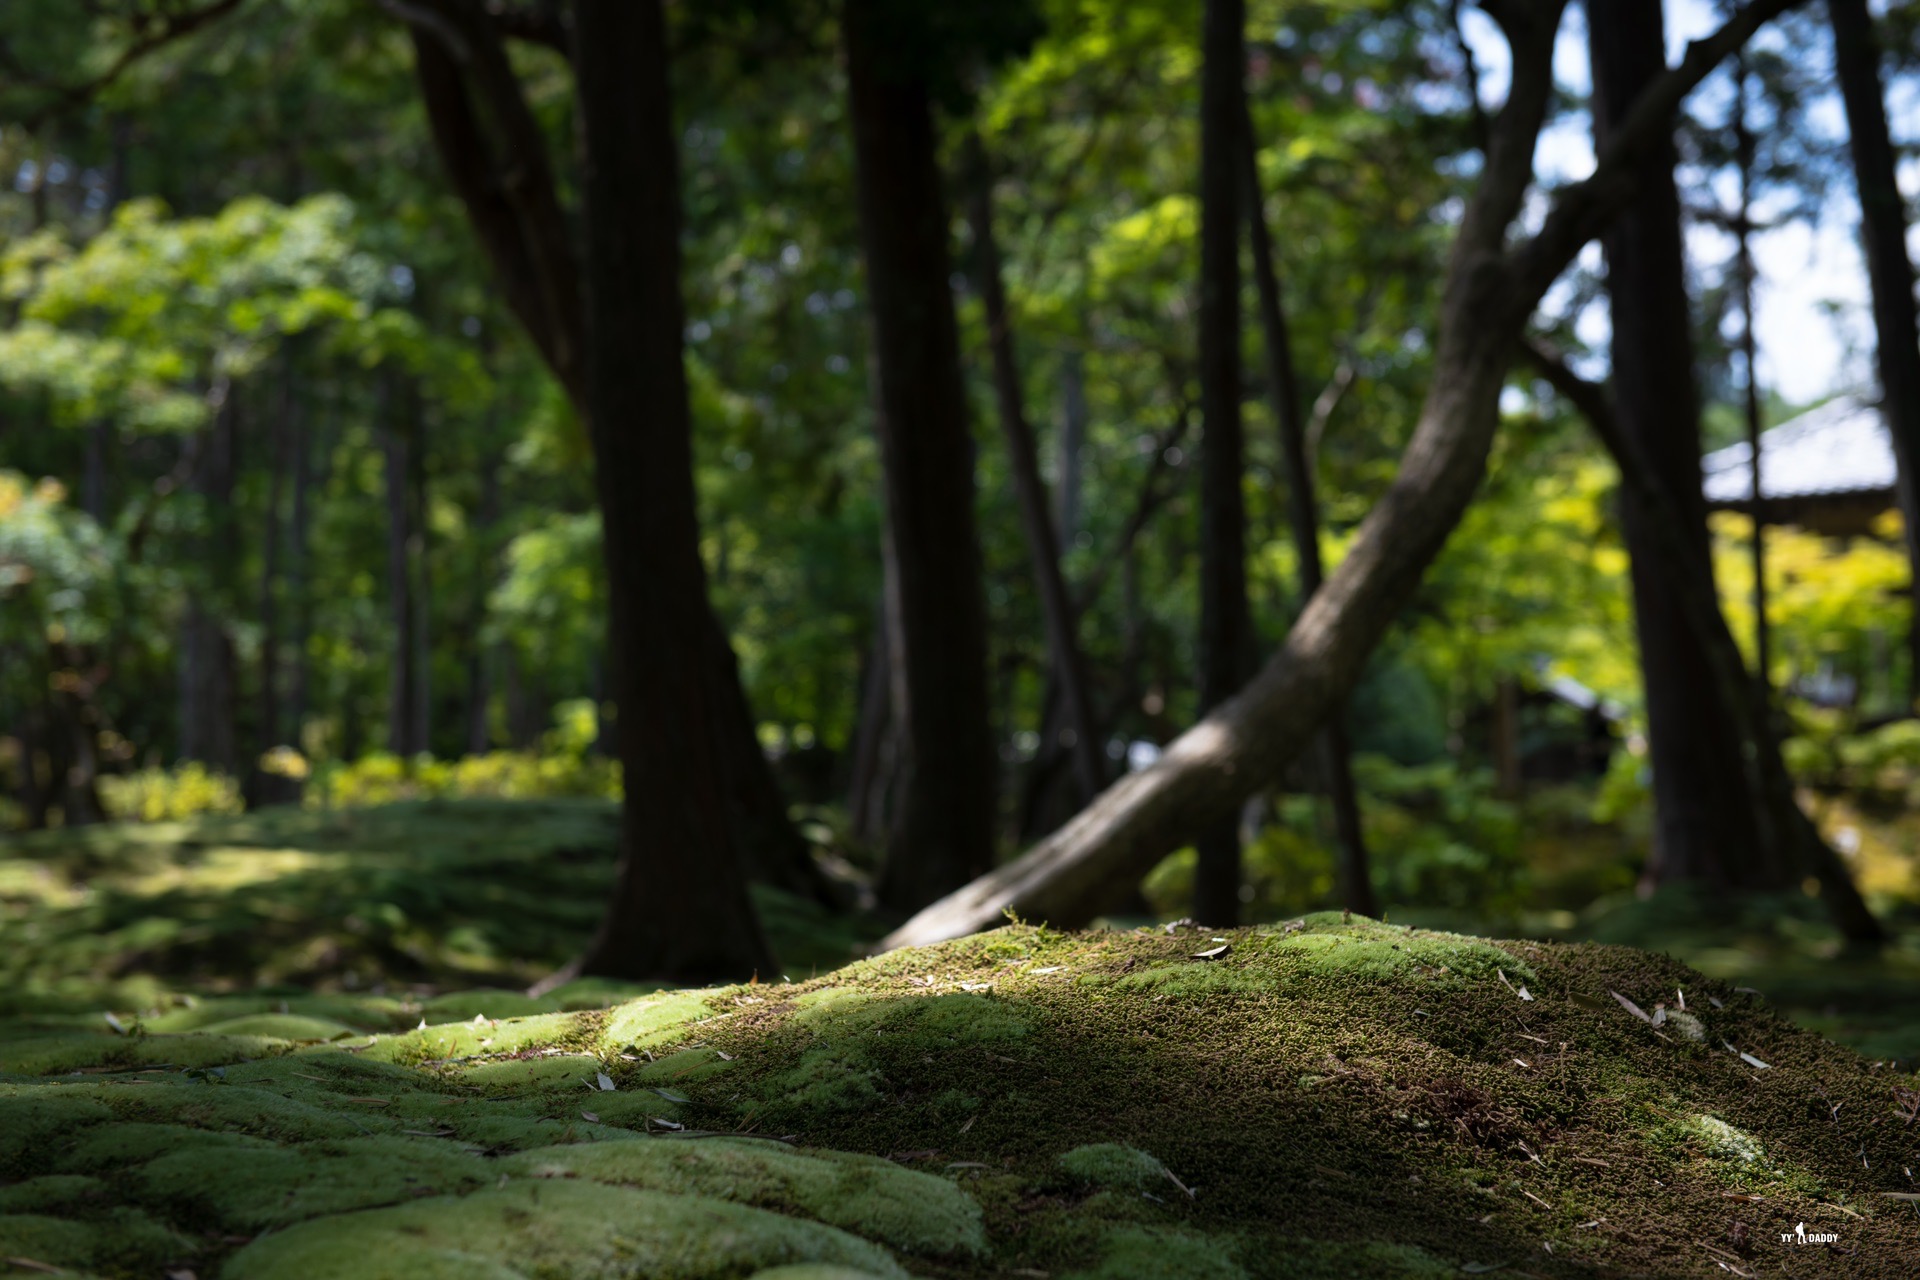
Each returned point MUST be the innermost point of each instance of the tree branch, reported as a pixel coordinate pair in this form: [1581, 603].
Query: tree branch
[174, 27]
[1582, 210]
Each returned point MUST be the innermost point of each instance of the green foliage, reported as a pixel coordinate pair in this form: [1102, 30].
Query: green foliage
[166, 795]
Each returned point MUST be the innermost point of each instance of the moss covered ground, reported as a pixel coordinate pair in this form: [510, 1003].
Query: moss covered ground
[1325, 1098]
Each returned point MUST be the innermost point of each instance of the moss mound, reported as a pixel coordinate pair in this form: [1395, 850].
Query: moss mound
[1323, 1098]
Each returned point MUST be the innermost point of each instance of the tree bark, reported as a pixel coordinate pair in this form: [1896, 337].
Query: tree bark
[207, 696]
[1703, 826]
[680, 909]
[1226, 622]
[505, 181]
[1883, 228]
[1081, 737]
[943, 833]
[1283, 385]
[1786, 834]
[396, 439]
[1750, 358]
[1491, 287]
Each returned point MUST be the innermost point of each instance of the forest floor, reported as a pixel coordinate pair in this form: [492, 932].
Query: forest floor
[285, 1046]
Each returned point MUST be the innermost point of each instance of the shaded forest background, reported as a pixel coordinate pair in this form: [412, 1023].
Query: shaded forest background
[328, 419]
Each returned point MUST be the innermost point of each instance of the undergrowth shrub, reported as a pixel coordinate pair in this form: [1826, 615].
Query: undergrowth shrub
[167, 795]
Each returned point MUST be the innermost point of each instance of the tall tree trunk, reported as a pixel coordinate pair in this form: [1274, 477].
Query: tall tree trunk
[206, 659]
[866, 776]
[1079, 734]
[282, 434]
[1883, 228]
[1703, 823]
[479, 733]
[306, 440]
[420, 707]
[943, 835]
[1494, 279]
[680, 909]
[1750, 359]
[396, 431]
[494, 151]
[1283, 385]
[1226, 622]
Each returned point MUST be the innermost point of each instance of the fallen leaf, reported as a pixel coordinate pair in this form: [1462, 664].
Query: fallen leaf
[304, 1076]
[606, 1082]
[1631, 1007]
[1522, 1062]
[1900, 1195]
[371, 1102]
[1536, 1199]
[30, 1265]
[969, 1124]
[589, 1117]
[671, 1096]
[664, 1124]
[724, 1055]
[1591, 1160]
[1480, 1268]
[1524, 993]
[422, 1026]
[976, 986]
[1052, 968]
[119, 1027]
[1214, 953]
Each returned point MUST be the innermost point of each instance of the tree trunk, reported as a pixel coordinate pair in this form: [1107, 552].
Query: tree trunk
[680, 909]
[1750, 359]
[207, 701]
[1078, 735]
[943, 835]
[420, 706]
[1491, 288]
[1785, 833]
[1283, 385]
[1226, 622]
[1883, 228]
[479, 733]
[396, 433]
[494, 153]
[1703, 823]
[299, 574]
[866, 779]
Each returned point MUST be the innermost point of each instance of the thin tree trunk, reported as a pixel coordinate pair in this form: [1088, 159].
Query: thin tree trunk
[1750, 357]
[865, 780]
[299, 572]
[396, 430]
[1283, 385]
[420, 594]
[680, 909]
[282, 434]
[207, 700]
[1703, 826]
[943, 836]
[93, 484]
[1078, 734]
[1226, 623]
[479, 665]
[1883, 228]
[1494, 279]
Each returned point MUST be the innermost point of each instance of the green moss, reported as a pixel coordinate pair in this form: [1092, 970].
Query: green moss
[54, 1191]
[1157, 1253]
[34, 1117]
[869, 1197]
[1113, 1164]
[652, 1020]
[282, 1026]
[553, 1228]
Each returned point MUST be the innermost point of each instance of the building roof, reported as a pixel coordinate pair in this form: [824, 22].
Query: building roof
[1842, 447]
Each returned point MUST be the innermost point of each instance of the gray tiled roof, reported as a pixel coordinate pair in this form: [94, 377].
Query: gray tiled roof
[1841, 447]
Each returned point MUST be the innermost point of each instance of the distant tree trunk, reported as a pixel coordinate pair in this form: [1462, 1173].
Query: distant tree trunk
[420, 708]
[1703, 823]
[396, 430]
[1283, 385]
[1078, 732]
[93, 484]
[1494, 279]
[1226, 623]
[680, 909]
[1883, 228]
[206, 658]
[305, 440]
[479, 673]
[866, 776]
[943, 833]
[282, 434]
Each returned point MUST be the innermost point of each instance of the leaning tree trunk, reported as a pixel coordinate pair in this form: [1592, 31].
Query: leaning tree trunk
[680, 909]
[1703, 824]
[943, 834]
[1226, 622]
[1490, 290]
[1283, 385]
[1883, 225]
